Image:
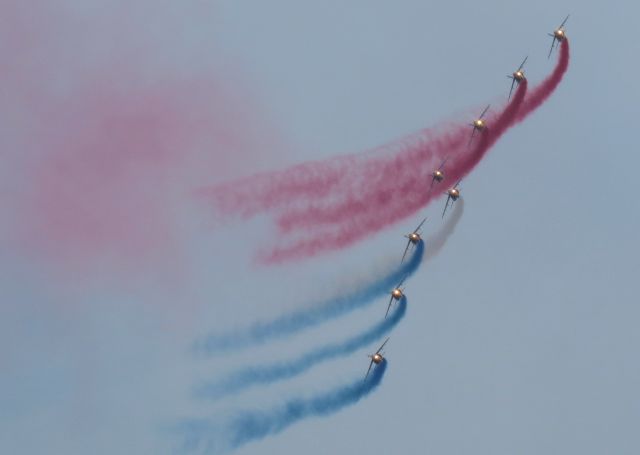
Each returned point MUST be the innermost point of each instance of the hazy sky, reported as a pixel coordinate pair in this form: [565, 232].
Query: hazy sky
[520, 336]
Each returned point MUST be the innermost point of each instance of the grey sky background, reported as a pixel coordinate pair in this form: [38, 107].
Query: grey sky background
[520, 337]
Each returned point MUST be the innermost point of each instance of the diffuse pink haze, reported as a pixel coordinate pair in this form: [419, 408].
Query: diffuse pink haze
[111, 167]
[329, 205]
[104, 137]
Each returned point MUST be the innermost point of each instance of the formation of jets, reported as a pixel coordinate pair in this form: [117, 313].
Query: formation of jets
[453, 193]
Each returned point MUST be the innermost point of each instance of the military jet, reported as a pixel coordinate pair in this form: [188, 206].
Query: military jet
[517, 76]
[396, 294]
[438, 174]
[452, 195]
[558, 35]
[376, 358]
[479, 124]
[414, 238]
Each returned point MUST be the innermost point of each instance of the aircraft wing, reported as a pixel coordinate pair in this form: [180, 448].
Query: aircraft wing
[388, 308]
[513, 82]
[420, 225]
[405, 252]
[445, 206]
[522, 64]
[367, 375]
[380, 348]
[564, 21]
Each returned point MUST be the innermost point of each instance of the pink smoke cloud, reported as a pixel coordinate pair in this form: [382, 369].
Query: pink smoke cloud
[102, 151]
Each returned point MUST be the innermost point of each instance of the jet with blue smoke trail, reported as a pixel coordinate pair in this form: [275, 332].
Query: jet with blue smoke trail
[413, 238]
[270, 373]
[210, 437]
[377, 358]
[296, 321]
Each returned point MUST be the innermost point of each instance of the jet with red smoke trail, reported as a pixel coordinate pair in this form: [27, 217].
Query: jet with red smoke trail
[517, 76]
[558, 35]
[396, 294]
[453, 194]
[413, 239]
[376, 358]
[479, 124]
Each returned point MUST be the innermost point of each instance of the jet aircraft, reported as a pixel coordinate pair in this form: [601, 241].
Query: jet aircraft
[558, 35]
[452, 195]
[438, 174]
[414, 238]
[396, 294]
[517, 76]
[479, 124]
[376, 358]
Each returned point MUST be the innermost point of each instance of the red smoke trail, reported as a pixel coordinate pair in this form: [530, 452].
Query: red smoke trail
[328, 205]
[271, 190]
[393, 199]
[313, 216]
[317, 184]
[407, 180]
[542, 92]
[324, 181]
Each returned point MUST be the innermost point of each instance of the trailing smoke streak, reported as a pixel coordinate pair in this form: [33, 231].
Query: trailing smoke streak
[251, 195]
[268, 374]
[436, 241]
[322, 180]
[384, 173]
[491, 135]
[294, 322]
[396, 199]
[205, 436]
[327, 181]
[407, 178]
[376, 192]
[542, 92]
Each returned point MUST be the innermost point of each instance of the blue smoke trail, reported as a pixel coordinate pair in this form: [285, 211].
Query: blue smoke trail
[268, 374]
[294, 322]
[248, 426]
